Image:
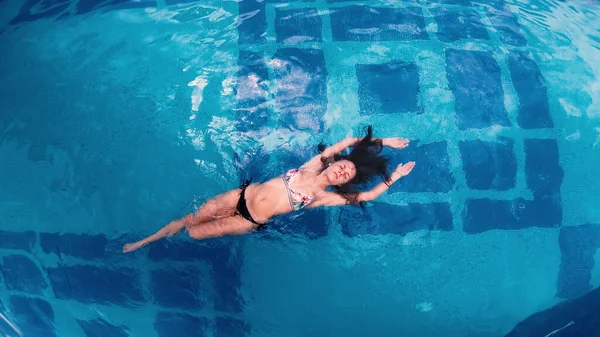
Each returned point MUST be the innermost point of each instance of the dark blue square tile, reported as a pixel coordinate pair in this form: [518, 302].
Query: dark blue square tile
[314, 223]
[40, 9]
[508, 28]
[170, 324]
[231, 327]
[79, 245]
[571, 318]
[228, 282]
[93, 284]
[534, 111]
[17, 240]
[578, 244]
[181, 249]
[383, 218]
[543, 211]
[475, 81]
[252, 22]
[227, 276]
[178, 288]
[33, 316]
[459, 24]
[251, 91]
[481, 215]
[357, 221]
[542, 168]
[253, 63]
[102, 328]
[21, 273]
[431, 161]
[388, 88]
[309, 223]
[489, 165]
[298, 25]
[301, 82]
[371, 24]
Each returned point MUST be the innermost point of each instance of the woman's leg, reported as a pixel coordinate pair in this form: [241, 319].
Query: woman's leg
[234, 225]
[221, 206]
[169, 230]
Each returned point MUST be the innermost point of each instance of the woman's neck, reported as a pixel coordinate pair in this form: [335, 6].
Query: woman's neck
[322, 181]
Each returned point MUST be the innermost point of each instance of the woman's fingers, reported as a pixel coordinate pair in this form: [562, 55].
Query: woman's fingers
[404, 169]
[400, 143]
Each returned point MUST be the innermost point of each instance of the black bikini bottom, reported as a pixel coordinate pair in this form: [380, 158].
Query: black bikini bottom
[242, 209]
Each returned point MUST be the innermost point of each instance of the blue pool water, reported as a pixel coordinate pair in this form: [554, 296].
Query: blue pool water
[118, 116]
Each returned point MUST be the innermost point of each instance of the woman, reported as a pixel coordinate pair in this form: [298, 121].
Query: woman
[250, 207]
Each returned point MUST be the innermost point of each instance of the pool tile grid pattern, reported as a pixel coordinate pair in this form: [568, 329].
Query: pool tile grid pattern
[303, 36]
[184, 282]
[286, 44]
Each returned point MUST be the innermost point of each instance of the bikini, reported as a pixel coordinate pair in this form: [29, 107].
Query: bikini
[241, 208]
[297, 200]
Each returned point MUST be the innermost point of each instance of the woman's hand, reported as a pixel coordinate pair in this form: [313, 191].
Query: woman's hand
[396, 143]
[400, 171]
[404, 169]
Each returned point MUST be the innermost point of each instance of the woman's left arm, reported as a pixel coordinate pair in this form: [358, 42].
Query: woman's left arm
[400, 171]
[336, 199]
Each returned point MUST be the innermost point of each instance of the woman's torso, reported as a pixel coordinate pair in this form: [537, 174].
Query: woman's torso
[272, 198]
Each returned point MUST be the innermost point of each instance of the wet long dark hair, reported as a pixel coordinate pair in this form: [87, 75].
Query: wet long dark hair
[366, 157]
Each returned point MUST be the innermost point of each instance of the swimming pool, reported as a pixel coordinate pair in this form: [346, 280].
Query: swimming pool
[118, 116]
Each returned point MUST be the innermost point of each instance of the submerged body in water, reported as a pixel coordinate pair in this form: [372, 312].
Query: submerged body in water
[250, 207]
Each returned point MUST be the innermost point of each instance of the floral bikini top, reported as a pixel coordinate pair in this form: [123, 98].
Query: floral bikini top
[297, 200]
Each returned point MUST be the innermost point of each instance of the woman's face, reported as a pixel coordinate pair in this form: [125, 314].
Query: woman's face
[340, 172]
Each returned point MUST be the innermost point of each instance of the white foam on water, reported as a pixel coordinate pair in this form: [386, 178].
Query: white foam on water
[565, 19]
[569, 108]
[573, 136]
[199, 83]
[495, 130]
[417, 238]
[13, 326]
[424, 306]
[379, 50]
[297, 39]
[558, 330]
[197, 138]
[227, 85]
[218, 15]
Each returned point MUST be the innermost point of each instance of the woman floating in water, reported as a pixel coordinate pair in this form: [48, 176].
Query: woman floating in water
[250, 207]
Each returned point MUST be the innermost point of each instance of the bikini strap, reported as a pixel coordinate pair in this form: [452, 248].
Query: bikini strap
[246, 183]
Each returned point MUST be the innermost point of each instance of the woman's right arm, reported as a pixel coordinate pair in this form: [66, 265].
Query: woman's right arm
[315, 163]
[339, 146]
